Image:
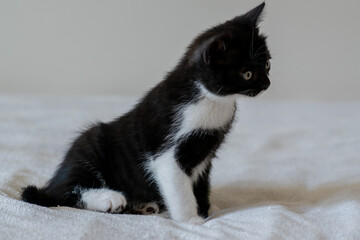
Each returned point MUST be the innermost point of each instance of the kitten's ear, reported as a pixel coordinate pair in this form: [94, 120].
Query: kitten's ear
[254, 15]
[215, 50]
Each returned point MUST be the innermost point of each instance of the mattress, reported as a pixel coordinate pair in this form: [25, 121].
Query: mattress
[288, 170]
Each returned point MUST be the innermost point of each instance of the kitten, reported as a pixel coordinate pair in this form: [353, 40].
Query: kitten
[158, 155]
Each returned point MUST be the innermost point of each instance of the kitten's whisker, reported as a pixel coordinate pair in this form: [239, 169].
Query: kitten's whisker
[219, 90]
[246, 92]
[262, 58]
[260, 48]
[252, 44]
[259, 54]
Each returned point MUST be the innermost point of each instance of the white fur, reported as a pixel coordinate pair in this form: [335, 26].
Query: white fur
[209, 112]
[103, 200]
[199, 170]
[175, 186]
[226, 100]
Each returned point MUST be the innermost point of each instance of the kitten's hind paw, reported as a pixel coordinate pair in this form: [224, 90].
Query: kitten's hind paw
[147, 208]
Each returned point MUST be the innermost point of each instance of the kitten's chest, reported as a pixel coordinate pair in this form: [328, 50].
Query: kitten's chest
[206, 114]
[194, 143]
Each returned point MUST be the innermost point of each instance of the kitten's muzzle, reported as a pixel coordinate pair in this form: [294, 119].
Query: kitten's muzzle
[264, 84]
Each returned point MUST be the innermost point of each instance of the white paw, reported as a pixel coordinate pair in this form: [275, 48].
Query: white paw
[213, 209]
[197, 220]
[103, 200]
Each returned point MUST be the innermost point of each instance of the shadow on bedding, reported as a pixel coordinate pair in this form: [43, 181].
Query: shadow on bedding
[234, 197]
[14, 184]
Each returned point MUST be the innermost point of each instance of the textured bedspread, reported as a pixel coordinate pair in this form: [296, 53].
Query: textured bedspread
[289, 170]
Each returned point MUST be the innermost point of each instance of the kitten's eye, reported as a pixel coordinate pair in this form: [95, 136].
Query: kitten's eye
[267, 65]
[247, 75]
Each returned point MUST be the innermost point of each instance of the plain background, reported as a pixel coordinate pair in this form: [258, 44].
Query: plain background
[126, 47]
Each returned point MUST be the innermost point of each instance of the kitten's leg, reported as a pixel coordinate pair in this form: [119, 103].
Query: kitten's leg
[103, 200]
[202, 191]
[176, 188]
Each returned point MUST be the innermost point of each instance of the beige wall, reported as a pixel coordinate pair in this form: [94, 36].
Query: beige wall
[125, 47]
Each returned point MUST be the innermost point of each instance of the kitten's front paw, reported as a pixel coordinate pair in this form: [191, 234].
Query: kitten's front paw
[197, 220]
[104, 200]
[117, 203]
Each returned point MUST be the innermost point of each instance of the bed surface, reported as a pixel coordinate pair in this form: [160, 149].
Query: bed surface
[289, 170]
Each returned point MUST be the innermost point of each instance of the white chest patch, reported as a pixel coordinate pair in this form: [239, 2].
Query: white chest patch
[210, 112]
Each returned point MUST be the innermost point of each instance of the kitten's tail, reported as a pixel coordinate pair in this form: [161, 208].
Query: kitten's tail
[34, 195]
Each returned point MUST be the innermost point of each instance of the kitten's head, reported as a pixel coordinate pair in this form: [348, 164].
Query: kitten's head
[233, 57]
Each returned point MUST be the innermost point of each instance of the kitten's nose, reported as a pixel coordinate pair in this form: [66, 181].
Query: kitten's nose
[265, 85]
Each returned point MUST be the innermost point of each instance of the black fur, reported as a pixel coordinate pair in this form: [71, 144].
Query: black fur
[113, 154]
[202, 191]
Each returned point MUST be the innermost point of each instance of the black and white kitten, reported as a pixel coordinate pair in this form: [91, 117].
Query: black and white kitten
[159, 154]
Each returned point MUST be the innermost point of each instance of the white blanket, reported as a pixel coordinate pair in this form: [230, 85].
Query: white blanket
[288, 170]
